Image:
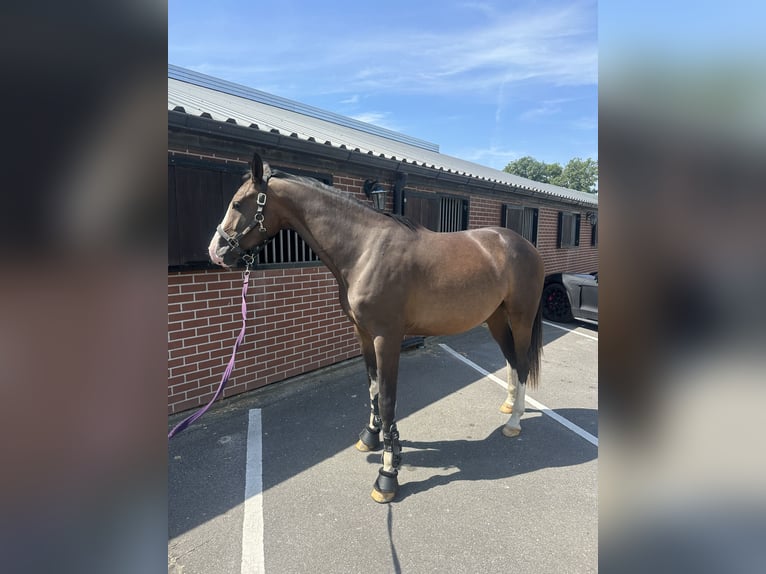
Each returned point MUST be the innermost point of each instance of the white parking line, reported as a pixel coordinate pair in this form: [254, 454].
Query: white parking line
[570, 330]
[545, 410]
[252, 524]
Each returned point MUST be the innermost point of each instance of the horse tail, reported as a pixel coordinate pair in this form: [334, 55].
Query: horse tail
[535, 350]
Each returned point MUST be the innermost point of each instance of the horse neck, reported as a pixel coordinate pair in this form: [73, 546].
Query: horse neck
[335, 228]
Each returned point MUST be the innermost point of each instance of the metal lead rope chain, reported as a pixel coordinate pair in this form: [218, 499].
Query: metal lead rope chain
[249, 258]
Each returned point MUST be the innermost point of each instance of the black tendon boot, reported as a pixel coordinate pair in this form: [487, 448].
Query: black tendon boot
[387, 483]
[369, 438]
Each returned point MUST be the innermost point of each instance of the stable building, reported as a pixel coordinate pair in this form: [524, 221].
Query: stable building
[295, 323]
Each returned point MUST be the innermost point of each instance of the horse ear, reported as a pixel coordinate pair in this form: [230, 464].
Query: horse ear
[261, 170]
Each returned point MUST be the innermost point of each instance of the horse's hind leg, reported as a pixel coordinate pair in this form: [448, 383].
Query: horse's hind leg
[501, 332]
[522, 329]
[514, 344]
[369, 438]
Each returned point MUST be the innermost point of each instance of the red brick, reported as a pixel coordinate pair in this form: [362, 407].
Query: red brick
[203, 394]
[205, 312]
[193, 324]
[182, 370]
[214, 346]
[174, 334]
[194, 341]
[184, 352]
[193, 287]
[208, 295]
[176, 318]
[179, 389]
[180, 298]
[174, 279]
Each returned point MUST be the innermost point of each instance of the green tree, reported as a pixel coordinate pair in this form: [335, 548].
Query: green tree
[531, 168]
[554, 171]
[578, 174]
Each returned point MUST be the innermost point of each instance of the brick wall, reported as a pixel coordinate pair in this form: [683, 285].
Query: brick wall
[295, 325]
[581, 259]
[484, 212]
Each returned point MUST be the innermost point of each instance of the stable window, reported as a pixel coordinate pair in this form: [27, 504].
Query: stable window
[286, 247]
[453, 214]
[568, 230]
[437, 212]
[523, 220]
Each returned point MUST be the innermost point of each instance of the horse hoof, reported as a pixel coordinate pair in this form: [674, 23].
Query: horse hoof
[506, 408]
[369, 440]
[382, 497]
[385, 487]
[511, 432]
[361, 447]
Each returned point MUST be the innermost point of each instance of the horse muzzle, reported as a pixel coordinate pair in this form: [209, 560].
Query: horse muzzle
[219, 251]
[223, 245]
[214, 256]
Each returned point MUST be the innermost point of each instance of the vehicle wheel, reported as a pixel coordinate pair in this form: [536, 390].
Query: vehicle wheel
[556, 303]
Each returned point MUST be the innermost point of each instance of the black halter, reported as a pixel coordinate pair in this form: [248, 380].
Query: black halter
[233, 240]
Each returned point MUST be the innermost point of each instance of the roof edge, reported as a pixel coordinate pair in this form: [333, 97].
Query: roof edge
[231, 88]
[196, 124]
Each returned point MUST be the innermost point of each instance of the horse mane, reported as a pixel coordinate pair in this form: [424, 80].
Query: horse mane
[350, 197]
[405, 221]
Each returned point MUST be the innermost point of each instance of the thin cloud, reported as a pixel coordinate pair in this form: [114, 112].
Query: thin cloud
[585, 123]
[556, 46]
[377, 118]
[353, 100]
[494, 157]
[546, 109]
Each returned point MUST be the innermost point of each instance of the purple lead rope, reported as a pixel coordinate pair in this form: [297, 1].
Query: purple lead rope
[190, 419]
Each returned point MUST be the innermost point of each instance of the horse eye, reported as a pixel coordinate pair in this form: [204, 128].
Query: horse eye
[236, 205]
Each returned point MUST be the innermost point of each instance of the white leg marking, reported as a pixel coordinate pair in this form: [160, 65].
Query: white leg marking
[513, 383]
[518, 408]
[540, 406]
[388, 461]
[374, 389]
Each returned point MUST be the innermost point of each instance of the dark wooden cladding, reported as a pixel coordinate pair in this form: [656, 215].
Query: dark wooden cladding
[199, 207]
[423, 209]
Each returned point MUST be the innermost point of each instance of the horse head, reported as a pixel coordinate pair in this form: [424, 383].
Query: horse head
[251, 220]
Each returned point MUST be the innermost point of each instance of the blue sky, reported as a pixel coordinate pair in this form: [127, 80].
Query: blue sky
[488, 81]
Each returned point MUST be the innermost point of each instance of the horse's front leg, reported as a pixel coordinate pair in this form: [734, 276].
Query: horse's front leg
[369, 438]
[387, 351]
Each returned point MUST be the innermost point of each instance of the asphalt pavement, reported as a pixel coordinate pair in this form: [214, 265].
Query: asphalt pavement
[470, 499]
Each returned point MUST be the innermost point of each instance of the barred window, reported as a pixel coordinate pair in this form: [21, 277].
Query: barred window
[286, 247]
[437, 212]
[523, 220]
[452, 214]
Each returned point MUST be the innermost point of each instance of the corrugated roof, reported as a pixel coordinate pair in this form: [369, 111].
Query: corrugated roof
[197, 94]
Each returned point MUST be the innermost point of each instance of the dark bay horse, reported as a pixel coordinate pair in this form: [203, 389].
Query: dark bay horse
[396, 278]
